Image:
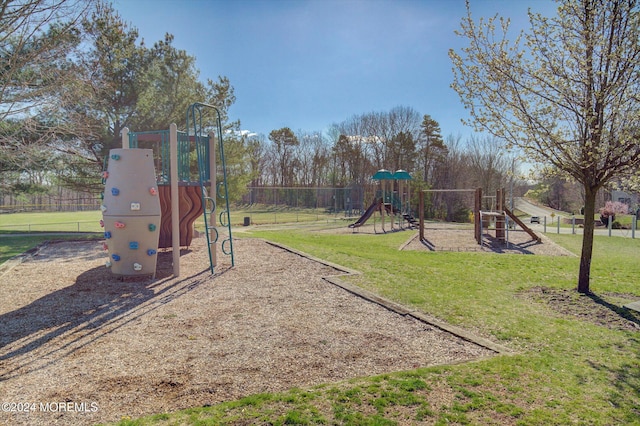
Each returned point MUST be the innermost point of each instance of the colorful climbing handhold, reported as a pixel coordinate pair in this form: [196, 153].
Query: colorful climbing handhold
[102, 195]
[103, 208]
[133, 245]
[107, 264]
[105, 175]
[107, 234]
[115, 191]
[105, 246]
[119, 225]
[101, 223]
[151, 252]
[115, 157]
[152, 227]
[137, 267]
[115, 257]
[153, 191]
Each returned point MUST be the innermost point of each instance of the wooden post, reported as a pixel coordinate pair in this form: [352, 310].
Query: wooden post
[476, 215]
[421, 213]
[125, 138]
[175, 207]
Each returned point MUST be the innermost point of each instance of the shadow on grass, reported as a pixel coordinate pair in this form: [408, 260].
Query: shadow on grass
[623, 312]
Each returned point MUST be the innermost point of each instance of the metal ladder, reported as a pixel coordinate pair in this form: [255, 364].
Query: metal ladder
[209, 204]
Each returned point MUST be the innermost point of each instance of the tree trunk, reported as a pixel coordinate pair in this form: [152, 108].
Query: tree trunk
[587, 240]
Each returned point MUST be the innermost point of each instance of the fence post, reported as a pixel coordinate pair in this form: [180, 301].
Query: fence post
[544, 220]
[573, 225]
[609, 224]
[558, 224]
[633, 225]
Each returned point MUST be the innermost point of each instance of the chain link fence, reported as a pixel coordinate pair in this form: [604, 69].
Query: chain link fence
[268, 205]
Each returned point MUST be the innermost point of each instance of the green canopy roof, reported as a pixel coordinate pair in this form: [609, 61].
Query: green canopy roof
[401, 175]
[382, 174]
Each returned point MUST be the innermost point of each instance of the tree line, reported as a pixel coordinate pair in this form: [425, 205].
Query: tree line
[74, 74]
[400, 139]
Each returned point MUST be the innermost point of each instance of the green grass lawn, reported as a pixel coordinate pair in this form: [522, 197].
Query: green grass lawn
[564, 370]
[88, 221]
[267, 215]
[38, 226]
[85, 221]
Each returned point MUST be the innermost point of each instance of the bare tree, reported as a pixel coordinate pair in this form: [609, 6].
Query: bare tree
[377, 140]
[313, 158]
[489, 163]
[355, 151]
[566, 92]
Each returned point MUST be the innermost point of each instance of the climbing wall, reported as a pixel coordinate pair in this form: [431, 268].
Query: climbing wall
[131, 212]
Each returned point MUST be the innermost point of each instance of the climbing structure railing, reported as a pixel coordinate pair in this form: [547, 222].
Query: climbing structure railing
[196, 124]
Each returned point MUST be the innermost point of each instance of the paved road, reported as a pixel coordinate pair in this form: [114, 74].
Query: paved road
[552, 221]
[533, 210]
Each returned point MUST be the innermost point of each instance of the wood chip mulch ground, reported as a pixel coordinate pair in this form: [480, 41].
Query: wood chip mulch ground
[84, 347]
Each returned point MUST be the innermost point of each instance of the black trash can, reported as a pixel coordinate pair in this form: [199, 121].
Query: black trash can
[247, 221]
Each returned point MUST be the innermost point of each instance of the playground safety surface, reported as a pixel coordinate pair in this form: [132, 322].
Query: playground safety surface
[73, 333]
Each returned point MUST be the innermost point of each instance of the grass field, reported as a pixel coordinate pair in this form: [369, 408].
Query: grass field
[40, 224]
[567, 368]
[89, 221]
[39, 227]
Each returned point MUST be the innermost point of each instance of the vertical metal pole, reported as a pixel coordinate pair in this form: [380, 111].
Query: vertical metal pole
[175, 207]
[544, 220]
[213, 190]
[573, 224]
[558, 224]
[609, 224]
[383, 184]
[633, 225]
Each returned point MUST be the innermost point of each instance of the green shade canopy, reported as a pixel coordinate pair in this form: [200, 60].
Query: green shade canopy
[382, 175]
[401, 175]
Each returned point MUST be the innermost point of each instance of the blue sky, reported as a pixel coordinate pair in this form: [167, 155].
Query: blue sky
[308, 64]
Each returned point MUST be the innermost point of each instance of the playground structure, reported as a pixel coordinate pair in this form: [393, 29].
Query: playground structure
[387, 201]
[499, 215]
[186, 187]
